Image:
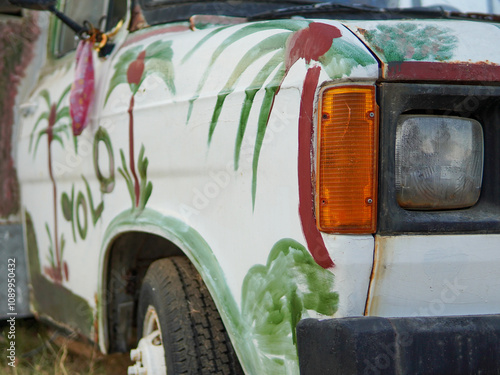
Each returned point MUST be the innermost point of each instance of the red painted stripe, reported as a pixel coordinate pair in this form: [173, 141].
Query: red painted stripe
[443, 71]
[313, 237]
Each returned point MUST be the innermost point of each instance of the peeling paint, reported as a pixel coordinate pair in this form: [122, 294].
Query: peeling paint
[54, 300]
[412, 41]
[440, 50]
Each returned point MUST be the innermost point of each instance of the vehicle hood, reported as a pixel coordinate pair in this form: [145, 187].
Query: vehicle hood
[442, 50]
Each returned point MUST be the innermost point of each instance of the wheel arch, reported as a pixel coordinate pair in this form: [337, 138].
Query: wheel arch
[170, 236]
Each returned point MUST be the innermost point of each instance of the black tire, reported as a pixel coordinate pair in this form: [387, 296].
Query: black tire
[194, 338]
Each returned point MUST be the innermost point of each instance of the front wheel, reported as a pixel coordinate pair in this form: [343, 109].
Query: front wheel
[179, 327]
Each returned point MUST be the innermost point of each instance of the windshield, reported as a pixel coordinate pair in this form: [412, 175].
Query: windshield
[466, 6]
[161, 11]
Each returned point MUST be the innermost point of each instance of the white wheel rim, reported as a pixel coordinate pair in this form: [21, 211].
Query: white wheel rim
[151, 326]
[150, 353]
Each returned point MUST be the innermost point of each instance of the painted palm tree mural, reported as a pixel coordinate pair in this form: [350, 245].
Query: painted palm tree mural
[321, 47]
[132, 68]
[58, 124]
[318, 44]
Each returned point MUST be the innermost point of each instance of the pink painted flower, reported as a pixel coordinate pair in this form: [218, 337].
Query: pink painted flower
[82, 91]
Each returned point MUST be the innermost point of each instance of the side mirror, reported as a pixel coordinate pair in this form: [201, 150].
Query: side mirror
[81, 31]
[35, 4]
[50, 5]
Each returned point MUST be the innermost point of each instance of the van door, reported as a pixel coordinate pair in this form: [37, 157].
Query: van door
[61, 196]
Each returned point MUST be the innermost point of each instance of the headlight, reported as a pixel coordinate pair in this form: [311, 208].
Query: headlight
[439, 162]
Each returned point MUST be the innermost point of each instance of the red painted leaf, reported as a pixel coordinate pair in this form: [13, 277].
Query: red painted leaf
[136, 69]
[310, 43]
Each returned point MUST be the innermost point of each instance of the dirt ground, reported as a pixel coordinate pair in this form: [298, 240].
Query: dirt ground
[42, 350]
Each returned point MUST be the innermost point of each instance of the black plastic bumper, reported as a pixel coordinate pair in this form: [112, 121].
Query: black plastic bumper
[386, 346]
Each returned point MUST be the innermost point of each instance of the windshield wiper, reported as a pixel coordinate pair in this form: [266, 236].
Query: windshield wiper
[313, 9]
[432, 12]
[488, 17]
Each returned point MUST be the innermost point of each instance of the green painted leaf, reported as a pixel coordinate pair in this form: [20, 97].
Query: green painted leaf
[277, 295]
[159, 62]
[41, 133]
[63, 245]
[68, 210]
[121, 67]
[43, 116]
[160, 50]
[124, 165]
[215, 116]
[250, 93]
[291, 25]
[342, 57]
[63, 128]
[47, 229]
[164, 69]
[270, 44]
[130, 187]
[57, 138]
[202, 41]
[95, 212]
[146, 193]
[63, 113]
[46, 96]
[128, 179]
[146, 188]
[142, 163]
[245, 113]
[67, 207]
[265, 112]
[50, 256]
[63, 96]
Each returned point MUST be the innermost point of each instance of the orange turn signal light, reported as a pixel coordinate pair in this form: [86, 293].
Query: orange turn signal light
[347, 159]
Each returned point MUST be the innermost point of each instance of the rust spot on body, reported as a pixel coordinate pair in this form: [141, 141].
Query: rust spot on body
[362, 31]
[381, 265]
[369, 297]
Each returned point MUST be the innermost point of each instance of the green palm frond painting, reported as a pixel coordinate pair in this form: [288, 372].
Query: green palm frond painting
[155, 59]
[275, 296]
[132, 68]
[58, 121]
[53, 116]
[293, 40]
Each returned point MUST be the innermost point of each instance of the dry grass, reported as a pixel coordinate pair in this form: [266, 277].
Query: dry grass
[41, 350]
